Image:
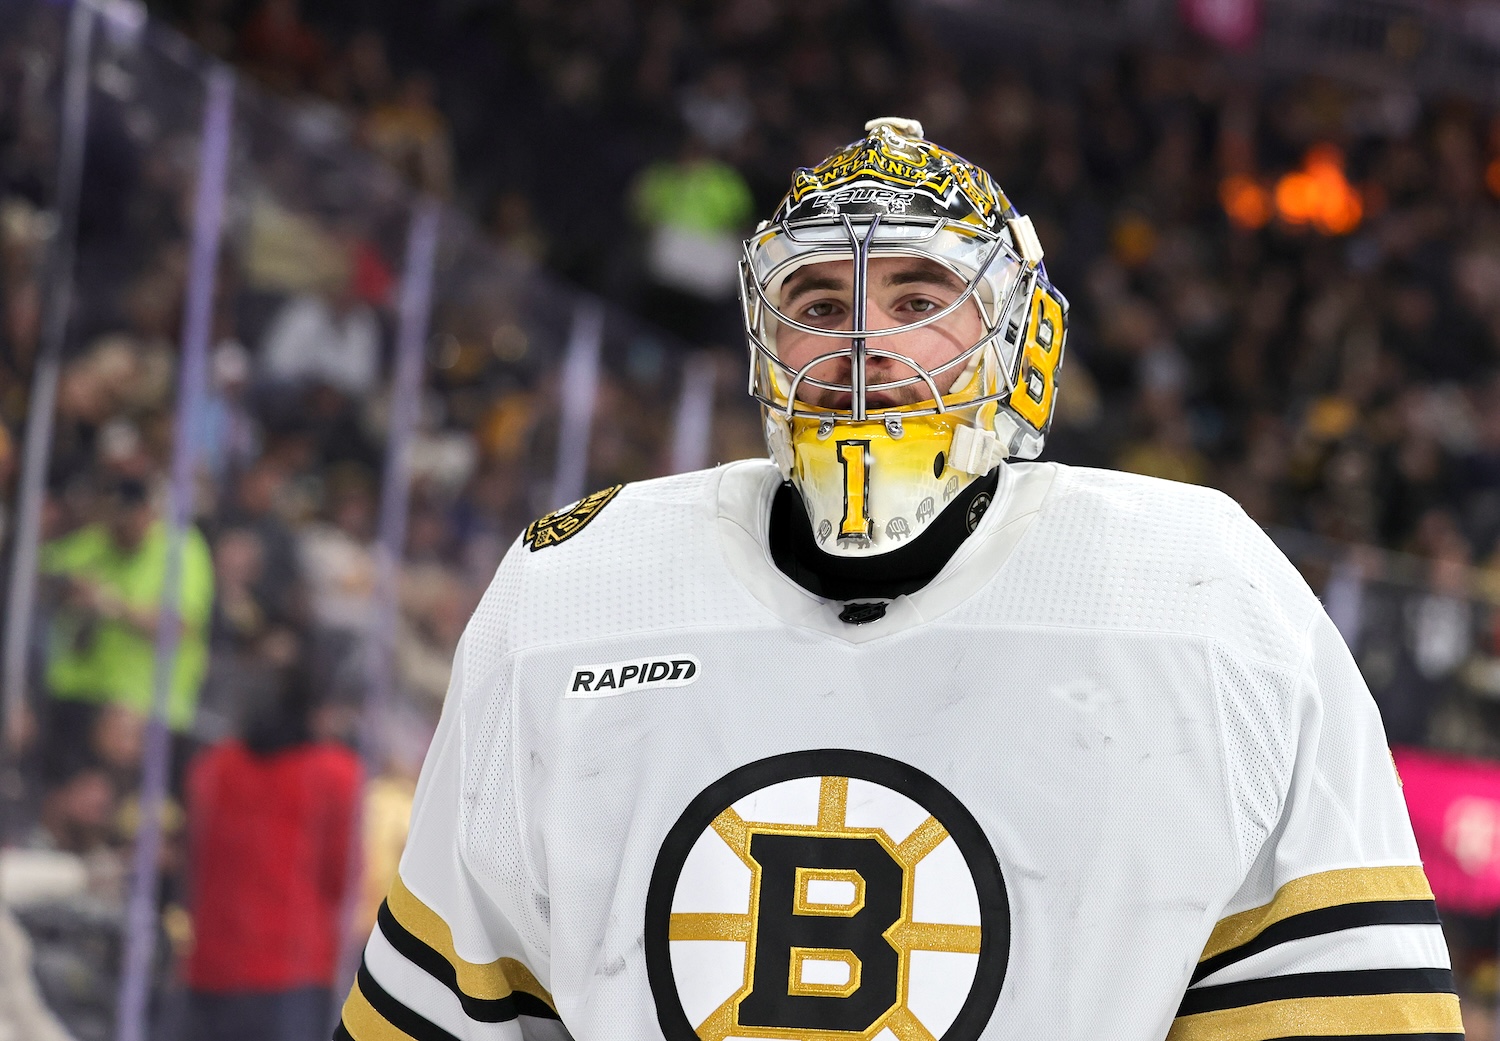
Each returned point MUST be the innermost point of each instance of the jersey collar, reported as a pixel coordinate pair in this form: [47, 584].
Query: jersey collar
[746, 491]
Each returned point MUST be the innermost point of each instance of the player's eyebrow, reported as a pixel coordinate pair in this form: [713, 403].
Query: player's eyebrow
[800, 285]
[923, 274]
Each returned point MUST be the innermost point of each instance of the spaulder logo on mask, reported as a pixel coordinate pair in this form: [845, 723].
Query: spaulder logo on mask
[561, 525]
[826, 895]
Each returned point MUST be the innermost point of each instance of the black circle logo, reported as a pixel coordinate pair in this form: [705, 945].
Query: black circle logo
[977, 508]
[833, 893]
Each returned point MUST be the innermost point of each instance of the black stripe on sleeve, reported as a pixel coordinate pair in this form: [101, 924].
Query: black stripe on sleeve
[1324, 920]
[482, 1010]
[1344, 983]
[531, 1005]
[410, 1023]
[341, 1033]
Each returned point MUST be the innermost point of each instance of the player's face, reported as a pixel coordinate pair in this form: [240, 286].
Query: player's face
[899, 291]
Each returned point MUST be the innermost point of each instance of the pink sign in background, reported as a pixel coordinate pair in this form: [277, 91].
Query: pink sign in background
[1229, 23]
[1455, 812]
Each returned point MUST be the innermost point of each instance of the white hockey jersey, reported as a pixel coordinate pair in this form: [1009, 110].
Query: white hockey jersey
[1111, 774]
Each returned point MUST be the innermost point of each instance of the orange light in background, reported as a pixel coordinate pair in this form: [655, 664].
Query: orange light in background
[1492, 176]
[1246, 202]
[1319, 194]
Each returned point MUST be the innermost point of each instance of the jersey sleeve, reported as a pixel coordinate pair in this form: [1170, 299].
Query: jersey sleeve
[1334, 932]
[453, 955]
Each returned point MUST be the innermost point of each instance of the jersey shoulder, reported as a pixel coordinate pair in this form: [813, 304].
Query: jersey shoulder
[624, 560]
[1112, 550]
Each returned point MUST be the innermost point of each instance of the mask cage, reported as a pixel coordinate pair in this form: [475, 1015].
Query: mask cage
[994, 273]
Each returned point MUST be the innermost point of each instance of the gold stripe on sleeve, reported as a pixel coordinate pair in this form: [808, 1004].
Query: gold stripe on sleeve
[488, 980]
[364, 1023]
[1315, 892]
[523, 982]
[1363, 1015]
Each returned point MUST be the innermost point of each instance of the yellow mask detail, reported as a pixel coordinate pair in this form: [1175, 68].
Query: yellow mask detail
[865, 489]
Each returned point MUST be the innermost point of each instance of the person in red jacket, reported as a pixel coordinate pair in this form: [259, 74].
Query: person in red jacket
[270, 819]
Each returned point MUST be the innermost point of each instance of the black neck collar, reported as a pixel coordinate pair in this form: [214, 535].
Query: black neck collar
[886, 575]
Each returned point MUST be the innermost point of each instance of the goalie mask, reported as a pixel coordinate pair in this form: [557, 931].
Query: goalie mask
[904, 338]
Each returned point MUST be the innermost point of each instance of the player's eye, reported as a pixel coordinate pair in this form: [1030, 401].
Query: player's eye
[917, 307]
[821, 309]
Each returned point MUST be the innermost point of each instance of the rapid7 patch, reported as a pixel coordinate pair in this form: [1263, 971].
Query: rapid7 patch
[561, 525]
[620, 677]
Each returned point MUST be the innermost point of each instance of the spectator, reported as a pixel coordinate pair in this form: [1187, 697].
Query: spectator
[434, 608]
[78, 818]
[283, 49]
[70, 899]
[103, 642]
[337, 557]
[228, 430]
[694, 211]
[240, 617]
[251, 641]
[718, 110]
[330, 338]
[270, 817]
[514, 226]
[410, 133]
[255, 507]
[369, 70]
[22, 1012]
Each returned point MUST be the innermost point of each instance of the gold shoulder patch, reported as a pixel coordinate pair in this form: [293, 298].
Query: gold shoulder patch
[561, 525]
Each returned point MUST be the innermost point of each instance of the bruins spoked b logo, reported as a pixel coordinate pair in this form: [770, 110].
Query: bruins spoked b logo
[826, 895]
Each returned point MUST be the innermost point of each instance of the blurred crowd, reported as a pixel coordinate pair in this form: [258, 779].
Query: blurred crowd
[1339, 377]
[279, 629]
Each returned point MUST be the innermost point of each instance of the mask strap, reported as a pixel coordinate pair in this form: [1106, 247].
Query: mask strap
[975, 451]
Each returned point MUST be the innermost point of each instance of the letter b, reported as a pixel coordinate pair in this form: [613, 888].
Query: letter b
[778, 929]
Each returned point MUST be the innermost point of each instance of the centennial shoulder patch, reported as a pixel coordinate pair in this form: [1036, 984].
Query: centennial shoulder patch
[561, 525]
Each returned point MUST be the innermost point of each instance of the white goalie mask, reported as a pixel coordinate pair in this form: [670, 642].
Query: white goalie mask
[878, 439]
